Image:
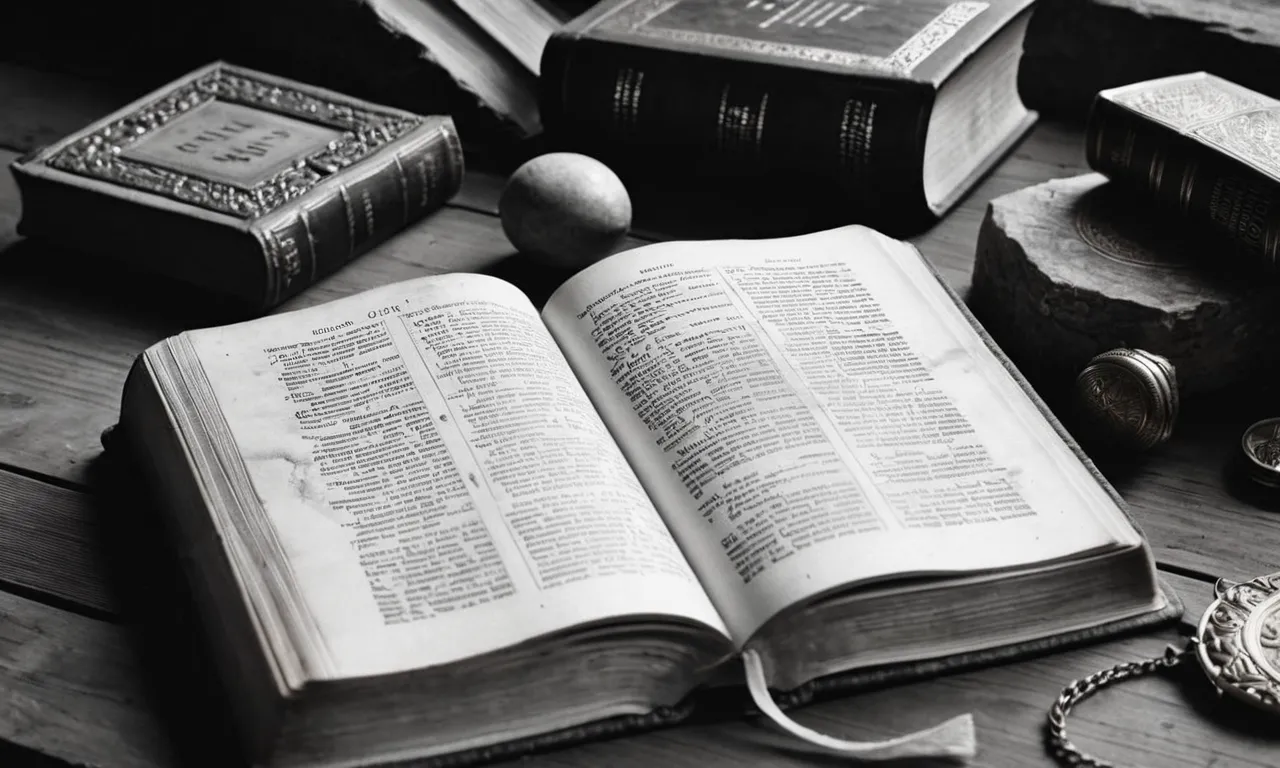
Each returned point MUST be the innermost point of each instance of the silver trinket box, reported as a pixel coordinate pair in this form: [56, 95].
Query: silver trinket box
[1129, 396]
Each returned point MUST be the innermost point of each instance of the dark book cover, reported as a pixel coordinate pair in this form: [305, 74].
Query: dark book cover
[1075, 48]
[1200, 148]
[827, 99]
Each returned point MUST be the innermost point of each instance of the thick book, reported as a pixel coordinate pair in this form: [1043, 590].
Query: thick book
[1198, 147]
[430, 521]
[1075, 48]
[245, 185]
[886, 111]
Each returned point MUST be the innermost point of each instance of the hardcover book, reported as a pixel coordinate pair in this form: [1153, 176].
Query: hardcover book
[246, 185]
[888, 111]
[1200, 148]
[1075, 48]
[430, 521]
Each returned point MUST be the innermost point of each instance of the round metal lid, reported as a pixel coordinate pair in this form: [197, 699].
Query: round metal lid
[1130, 395]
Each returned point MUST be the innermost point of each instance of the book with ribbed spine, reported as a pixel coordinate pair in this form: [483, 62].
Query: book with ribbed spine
[1200, 147]
[889, 111]
[249, 186]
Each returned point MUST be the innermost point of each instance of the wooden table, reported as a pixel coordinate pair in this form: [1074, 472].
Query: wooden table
[88, 675]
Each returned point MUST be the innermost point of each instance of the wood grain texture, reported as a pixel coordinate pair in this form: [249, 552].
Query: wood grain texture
[53, 543]
[86, 692]
[71, 687]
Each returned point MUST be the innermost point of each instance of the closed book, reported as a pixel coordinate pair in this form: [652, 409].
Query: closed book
[1200, 148]
[885, 111]
[249, 186]
[1075, 48]
[433, 522]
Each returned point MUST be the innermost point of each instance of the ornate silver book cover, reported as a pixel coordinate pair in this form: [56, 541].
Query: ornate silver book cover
[262, 154]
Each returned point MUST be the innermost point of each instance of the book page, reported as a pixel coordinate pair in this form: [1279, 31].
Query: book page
[815, 411]
[436, 477]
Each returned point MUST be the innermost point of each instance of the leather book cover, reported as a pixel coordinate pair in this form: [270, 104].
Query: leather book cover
[829, 100]
[922, 42]
[240, 183]
[1201, 148]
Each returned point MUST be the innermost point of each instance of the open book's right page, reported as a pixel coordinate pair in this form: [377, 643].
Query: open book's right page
[814, 412]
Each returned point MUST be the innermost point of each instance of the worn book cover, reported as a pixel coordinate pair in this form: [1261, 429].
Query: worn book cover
[889, 110]
[240, 183]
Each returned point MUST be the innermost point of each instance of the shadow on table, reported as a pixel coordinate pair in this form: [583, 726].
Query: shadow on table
[185, 691]
[77, 285]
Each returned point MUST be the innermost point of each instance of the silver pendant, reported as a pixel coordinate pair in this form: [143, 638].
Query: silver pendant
[1237, 643]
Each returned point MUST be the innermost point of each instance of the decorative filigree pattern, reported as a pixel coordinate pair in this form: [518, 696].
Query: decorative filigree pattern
[1239, 637]
[1184, 103]
[635, 17]
[1253, 136]
[930, 38]
[1118, 399]
[99, 154]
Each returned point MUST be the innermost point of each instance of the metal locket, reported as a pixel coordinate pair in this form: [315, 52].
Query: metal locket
[1237, 643]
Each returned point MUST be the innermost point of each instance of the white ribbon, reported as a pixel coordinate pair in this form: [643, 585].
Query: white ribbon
[952, 739]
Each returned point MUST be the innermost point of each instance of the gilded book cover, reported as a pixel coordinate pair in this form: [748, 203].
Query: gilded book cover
[244, 184]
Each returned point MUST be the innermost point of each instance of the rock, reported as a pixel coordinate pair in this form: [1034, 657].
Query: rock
[1071, 268]
[565, 210]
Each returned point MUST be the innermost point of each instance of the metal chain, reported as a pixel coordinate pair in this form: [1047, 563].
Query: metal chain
[1059, 745]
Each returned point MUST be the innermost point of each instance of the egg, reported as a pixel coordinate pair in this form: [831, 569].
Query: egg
[565, 210]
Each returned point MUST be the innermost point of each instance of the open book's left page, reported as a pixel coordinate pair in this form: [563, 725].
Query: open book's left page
[436, 479]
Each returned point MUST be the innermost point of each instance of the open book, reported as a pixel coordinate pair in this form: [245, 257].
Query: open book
[428, 519]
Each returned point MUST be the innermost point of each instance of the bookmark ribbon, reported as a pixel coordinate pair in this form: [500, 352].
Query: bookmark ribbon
[952, 739]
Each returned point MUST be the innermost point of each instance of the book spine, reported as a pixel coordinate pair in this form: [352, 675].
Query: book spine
[318, 234]
[1182, 176]
[654, 113]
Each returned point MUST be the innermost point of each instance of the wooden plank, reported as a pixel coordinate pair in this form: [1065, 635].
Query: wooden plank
[77, 688]
[73, 688]
[52, 543]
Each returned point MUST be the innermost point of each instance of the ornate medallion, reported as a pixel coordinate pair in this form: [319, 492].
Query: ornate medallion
[1239, 641]
[1119, 230]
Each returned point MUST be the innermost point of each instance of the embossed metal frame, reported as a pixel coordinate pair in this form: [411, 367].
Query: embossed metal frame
[634, 18]
[98, 154]
[1233, 633]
